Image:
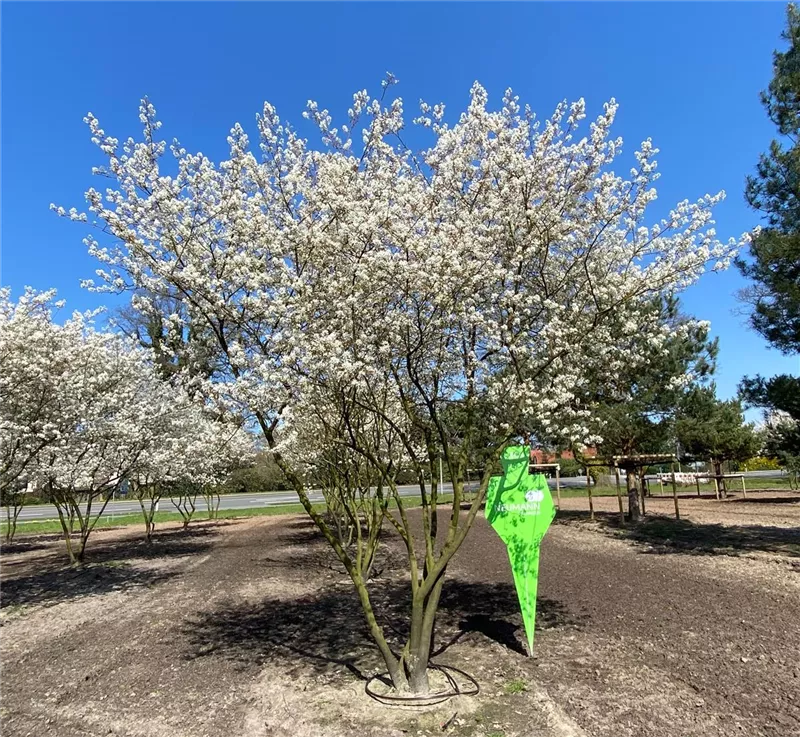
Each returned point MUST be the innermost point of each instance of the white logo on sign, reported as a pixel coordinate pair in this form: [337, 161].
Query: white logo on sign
[534, 495]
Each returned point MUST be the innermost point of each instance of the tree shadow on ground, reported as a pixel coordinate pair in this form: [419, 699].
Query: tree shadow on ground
[302, 536]
[668, 535]
[22, 545]
[55, 586]
[109, 567]
[300, 521]
[327, 630]
[35, 541]
[164, 544]
[684, 536]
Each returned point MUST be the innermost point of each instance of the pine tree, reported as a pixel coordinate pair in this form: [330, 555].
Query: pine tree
[714, 430]
[775, 266]
[775, 192]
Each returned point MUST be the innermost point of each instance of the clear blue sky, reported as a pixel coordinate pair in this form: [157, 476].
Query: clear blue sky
[687, 75]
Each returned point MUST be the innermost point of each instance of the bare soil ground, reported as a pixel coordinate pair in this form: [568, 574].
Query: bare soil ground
[249, 627]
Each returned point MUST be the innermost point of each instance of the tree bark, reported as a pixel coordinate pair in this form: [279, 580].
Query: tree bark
[11, 519]
[66, 527]
[410, 670]
[634, 513]
[642, 492]
[82, 547]
[420, 650]
[718, 472]
[399, 680]
[148, 514]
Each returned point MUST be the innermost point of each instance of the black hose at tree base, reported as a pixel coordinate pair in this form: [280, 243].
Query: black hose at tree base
[430, 699]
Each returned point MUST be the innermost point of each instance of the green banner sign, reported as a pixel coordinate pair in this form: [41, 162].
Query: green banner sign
[520, 508]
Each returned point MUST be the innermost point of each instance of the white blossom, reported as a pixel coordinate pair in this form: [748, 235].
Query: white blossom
[506, 260]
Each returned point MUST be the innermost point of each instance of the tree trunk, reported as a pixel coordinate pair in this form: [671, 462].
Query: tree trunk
[66, 527]
[73, 558]
[414, 658]
[186, 507]
[11, 520]
[417, 652]
[642, 491]
[148, 515]
[421, 642]
[410, 670]
[718, 471]
[82, 547]
[210, 498]
[393, 666]
[633, 496]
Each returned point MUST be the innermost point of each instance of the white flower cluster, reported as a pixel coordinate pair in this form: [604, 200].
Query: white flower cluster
[82, 410]
[507, 261]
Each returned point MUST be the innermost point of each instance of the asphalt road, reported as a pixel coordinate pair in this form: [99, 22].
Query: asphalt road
[227, 501]
[265, 499]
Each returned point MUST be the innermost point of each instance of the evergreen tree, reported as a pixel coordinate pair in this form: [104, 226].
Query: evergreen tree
[775, 266]
[635, 414]
[775, 192]
[714, 430]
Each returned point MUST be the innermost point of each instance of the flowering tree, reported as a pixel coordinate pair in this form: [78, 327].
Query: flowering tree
[32, 364]
[190, 452]
[215, 449]
[496, 269]
[165, 460]
[118, 405]
[635, 412]
[230, 448]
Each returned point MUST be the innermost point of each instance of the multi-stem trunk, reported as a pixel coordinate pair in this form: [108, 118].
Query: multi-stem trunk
[212, 500]
[417, 651]
[409, 670]
[68, 508]
[12, 515]
[149, 513]
[186, 507]
[66, 528]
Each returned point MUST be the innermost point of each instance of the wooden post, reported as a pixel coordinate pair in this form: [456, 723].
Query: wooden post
[589, 493]
[619, 497]
[660, 485]
[558, 487]
[744, 488]
[675, 494]
[697, 481]
[641, 490]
